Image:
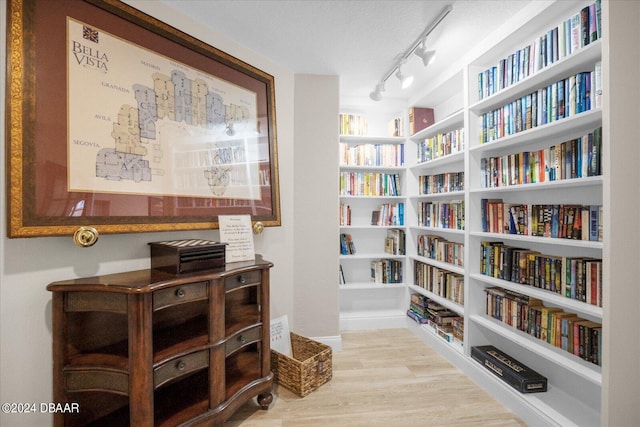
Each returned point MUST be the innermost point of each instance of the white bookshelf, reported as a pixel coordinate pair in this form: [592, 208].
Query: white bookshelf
[574, 385]
[365, 303]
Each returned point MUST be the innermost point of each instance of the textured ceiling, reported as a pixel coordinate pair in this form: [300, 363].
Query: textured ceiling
[357, 40]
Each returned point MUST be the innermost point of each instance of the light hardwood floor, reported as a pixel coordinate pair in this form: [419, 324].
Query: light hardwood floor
[383, 377]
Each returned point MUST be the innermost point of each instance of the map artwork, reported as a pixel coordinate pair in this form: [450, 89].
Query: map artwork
[143, 123]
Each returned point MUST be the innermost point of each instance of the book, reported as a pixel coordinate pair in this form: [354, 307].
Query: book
[597, 89]
[394, 128]
[347, 247]
[420, 118]
[511, 371]
[395, 242]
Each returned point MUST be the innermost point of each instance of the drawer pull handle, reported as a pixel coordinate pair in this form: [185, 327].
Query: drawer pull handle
[181, 365]
[242, 339]
[180, 293]
[242, 279]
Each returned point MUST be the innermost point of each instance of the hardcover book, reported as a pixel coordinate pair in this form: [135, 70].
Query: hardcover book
[420, 118]
[514, 373]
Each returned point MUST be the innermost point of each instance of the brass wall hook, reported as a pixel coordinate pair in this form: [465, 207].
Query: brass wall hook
[258, 228]
[85, 237]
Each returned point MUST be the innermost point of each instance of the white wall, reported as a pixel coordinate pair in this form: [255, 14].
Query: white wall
[28, 265]
[316, 135]
[621, 257]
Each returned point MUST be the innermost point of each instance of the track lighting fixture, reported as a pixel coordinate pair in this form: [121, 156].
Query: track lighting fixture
[405, 81]
[419, 48]
[427, 56]
[376, 95]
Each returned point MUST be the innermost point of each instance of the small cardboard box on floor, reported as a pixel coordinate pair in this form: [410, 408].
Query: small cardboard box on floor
[299, 364]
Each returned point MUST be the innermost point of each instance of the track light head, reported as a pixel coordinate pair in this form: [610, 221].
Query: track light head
[405, 81]
[419, 48]
[376, 95]
[427, 56]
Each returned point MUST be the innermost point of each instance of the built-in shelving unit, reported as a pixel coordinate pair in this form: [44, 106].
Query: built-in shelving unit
[367, 300]
[574, 381]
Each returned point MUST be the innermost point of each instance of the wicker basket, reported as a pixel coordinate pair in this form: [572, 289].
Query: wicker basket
[309, 368]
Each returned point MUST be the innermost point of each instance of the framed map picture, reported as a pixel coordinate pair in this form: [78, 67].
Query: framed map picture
[123, 123]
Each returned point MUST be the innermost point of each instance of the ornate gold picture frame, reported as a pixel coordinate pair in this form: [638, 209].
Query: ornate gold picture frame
[118, 121]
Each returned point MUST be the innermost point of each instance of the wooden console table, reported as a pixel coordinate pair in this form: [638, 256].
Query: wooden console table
[149, 348]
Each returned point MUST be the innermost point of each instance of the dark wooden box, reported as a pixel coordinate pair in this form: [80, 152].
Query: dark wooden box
[185, 256]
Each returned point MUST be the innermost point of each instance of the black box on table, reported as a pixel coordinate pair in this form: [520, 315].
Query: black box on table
[186, 256]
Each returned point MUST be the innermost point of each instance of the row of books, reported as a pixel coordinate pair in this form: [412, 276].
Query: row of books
[577, 278]
[552, 325]
[565, 98]
[345, 214]
[572, 34]
[347, 247]
[445, 323]
[353, 124]
[578, 222]
[440, 282]
[578, 158]
[441, 183]
[387, 155]
[441, 145]
[395, 242]
[440, 249]
[388, 214]
[369, 184]
[442, 214]
[386, 271]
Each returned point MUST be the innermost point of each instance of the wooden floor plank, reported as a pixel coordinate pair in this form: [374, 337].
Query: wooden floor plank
[384, 377]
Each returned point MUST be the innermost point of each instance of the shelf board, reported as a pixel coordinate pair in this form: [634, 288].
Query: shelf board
[427, 329]
[571, 305]
[555, 355]
[241, 369]
[363, 139]
[356, 286]
[588, 244]
[590, 181]
[559, 129]
[437, 229]
[440, 161]
[440, 300]
[372, 227]
[447, 195]
[440, 264]
[372, 168]
[377, 255]
[347, 196]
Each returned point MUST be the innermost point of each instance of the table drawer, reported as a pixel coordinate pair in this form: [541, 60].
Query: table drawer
[180, 366]
[242, 279]
[243, 338]
[179, 295]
